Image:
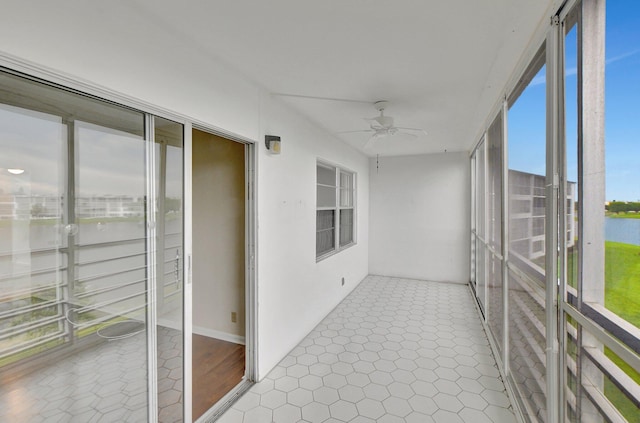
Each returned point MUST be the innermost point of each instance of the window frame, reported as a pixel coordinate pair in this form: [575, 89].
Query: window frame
[338, 170]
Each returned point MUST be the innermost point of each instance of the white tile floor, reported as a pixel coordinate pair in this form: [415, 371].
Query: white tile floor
[103, 384]
[395, 350]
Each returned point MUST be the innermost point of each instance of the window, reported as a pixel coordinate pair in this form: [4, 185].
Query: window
[525, 277]
[335, 209]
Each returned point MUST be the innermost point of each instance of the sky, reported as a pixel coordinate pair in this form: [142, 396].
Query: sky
[109, 162]
[526, 119]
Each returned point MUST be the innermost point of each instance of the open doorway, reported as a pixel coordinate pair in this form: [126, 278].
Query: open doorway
[219, 258]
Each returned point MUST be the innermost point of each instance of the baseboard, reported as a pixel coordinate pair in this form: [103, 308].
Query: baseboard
[223, 336]
[412, 278]
[209, 333]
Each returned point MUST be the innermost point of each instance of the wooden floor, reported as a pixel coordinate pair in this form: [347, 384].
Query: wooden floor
[218, 366]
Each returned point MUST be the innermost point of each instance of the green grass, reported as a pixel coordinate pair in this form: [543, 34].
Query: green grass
[622, 296]
[619, 399]
[622, 280]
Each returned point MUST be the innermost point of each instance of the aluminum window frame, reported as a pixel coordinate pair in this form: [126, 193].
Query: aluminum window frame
[338, 170]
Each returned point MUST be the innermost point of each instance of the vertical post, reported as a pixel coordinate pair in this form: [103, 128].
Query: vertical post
[472, 247]
[251, 364]
[70, 222]
[563, 212]
[336, 219]
[187, 307]
[505, 238]
[593, 160]
[592, 194]
[551, 219]
[160, 221]
[485, 216]
[151, 257]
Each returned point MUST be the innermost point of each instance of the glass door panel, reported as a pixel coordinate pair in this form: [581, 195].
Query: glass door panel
[170, 294]
[74, 254]
[32, 261]
[110, 244]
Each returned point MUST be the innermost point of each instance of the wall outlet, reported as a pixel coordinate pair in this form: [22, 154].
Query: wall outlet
[234, 317]
[342, 281]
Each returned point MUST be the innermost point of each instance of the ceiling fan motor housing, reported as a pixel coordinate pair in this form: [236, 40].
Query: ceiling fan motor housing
[384, 121]
[381, 105]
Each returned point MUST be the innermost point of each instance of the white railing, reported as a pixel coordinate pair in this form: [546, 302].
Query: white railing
[56, 313]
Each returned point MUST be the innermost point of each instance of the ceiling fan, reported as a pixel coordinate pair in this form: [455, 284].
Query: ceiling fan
[382, 126]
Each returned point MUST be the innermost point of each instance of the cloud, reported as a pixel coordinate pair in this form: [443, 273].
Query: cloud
[572, 71]
[622, 56]
[538, 80]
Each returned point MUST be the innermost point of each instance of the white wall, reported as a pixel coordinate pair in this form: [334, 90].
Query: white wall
[419, 217]
[105, 44]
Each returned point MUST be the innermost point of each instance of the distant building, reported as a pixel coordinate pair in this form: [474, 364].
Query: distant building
[19, 206]
[527, 201]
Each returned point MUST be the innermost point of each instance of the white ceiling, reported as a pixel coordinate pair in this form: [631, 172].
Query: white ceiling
[440, 64]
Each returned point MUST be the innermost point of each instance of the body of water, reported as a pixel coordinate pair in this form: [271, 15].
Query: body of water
[622, 230]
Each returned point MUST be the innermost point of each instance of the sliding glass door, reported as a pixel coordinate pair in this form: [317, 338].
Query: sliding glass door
[91, 259]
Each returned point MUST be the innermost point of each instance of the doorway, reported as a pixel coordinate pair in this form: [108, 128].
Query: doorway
[219, 184]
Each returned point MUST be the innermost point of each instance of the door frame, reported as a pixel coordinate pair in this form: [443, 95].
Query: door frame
[250, 259]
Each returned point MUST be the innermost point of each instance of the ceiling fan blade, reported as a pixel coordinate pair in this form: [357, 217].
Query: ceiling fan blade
[412, 129]
[313, 97]
[356, 131]
[374, 123]
[367, 144]
[370, 140]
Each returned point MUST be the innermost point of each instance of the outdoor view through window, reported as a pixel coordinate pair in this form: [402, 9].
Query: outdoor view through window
[603, 280]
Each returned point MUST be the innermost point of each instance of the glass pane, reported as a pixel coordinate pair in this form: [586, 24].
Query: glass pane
[326, 175]
[481, 202]
[169, 143]
[326, 196]
[571, 131]
[495, 316]
[346, 189]
[346, 227]
[526, 243]
[32, 277]
[622, 153]
[325, 231]
[73, 331]
[481, 273]
[110, 244]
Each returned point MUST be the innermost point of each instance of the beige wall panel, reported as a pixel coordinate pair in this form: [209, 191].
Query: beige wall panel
[218, 234]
